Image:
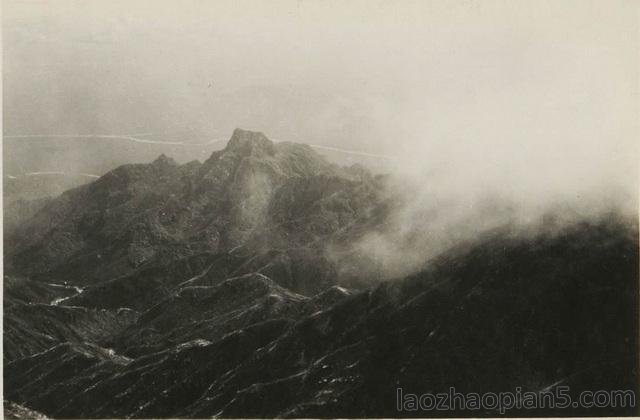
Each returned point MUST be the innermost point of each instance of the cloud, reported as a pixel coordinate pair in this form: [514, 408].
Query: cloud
[492, 111]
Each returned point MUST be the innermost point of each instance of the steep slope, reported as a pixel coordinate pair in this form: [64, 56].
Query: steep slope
[198, 332]
[502, 313]
[16, 212]
[510, 309]
[37, 318]
[149, 215]
[24, 195]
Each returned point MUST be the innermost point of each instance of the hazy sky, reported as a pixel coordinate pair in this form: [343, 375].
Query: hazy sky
[530, 94]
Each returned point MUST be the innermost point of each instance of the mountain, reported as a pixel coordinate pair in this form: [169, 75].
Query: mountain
[502, 312]
[253, 197]
[208, 289]
[23, 196]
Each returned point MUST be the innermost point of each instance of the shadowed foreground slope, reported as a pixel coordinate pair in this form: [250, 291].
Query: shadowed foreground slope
[507, 310]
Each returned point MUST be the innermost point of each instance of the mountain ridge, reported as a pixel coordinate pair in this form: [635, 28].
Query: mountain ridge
[232, 288]
[501, 312]
[165, 211]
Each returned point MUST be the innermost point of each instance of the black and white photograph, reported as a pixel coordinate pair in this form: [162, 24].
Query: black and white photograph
[320, 209]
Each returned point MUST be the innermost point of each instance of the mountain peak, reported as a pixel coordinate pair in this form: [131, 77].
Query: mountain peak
[245, 142]
[164, 160]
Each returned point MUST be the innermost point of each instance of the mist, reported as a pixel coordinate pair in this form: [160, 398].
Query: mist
[483, 112]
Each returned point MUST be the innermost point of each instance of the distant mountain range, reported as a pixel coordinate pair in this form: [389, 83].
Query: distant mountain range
[207, 289]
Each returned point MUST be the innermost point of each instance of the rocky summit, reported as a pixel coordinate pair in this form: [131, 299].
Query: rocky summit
[229, 288]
